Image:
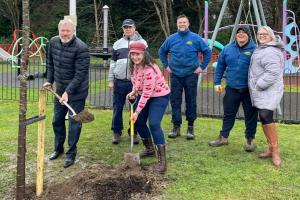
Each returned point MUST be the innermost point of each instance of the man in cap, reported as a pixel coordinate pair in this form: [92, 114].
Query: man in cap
[119, 76]
[235, 61]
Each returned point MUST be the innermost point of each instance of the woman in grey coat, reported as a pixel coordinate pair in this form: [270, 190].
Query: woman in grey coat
[266, 86]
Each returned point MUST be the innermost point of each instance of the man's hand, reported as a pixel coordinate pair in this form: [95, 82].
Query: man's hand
[198, 70]
[47, 85]
[64, 97]
[218, 89]
[110, 84]
[169, 69]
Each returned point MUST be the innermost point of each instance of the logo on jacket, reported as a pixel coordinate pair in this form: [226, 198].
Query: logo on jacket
[189, 42]
[248, 53]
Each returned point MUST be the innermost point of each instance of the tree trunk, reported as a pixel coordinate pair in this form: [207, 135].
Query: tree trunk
[10, 10]
[278, 15]
[20, 187]
[97, 35]
[162, 13]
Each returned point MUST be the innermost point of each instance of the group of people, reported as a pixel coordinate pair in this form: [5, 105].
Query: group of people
[253, 74]
[254, 77]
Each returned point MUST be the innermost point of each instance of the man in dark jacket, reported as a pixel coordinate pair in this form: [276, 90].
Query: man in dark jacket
[68, 66]
[184, 67]
[235, 61]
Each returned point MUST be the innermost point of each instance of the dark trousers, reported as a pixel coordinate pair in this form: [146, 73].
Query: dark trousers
[59, 127]
[121, 89]
[154, 111]
[189, 85]
[231, 103]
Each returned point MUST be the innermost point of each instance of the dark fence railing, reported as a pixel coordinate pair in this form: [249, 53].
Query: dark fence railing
[209, 103]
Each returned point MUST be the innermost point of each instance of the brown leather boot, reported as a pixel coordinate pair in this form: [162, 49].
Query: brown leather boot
[149, 148]
[271, 135]
[267, 153]
[161, 167]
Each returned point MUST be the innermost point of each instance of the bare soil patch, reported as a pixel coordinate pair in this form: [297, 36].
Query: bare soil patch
[105, 183]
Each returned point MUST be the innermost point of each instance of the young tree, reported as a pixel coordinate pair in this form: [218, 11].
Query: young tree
[20, 187]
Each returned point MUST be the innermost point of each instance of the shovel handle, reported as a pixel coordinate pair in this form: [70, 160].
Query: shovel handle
[131, 121]
[59, 98]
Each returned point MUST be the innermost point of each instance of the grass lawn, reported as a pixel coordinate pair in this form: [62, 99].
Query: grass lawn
[195, 170]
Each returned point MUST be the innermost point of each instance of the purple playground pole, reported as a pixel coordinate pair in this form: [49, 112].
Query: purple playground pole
[284, 3]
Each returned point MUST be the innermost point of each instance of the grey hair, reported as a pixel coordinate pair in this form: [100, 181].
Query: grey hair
[269, 30]
[66, 22]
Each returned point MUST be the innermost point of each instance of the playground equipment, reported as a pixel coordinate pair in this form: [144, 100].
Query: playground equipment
[259, 15]
[4, 55]
[291, 31]
[37, 48]
[106, 31]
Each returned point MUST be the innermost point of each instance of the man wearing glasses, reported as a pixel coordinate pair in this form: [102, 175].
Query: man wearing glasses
[235, 61]
[119, 76]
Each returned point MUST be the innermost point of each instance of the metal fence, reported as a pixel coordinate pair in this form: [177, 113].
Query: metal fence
[209, 103]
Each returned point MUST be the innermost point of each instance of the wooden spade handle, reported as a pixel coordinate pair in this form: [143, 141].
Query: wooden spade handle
[59, 97]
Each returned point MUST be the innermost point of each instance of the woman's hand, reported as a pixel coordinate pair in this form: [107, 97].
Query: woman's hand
[131, 95]
[134, 116]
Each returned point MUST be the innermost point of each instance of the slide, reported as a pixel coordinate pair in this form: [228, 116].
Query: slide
[4, 55]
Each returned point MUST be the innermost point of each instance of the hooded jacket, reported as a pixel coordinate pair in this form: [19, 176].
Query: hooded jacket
[119, 64]
[266, 75]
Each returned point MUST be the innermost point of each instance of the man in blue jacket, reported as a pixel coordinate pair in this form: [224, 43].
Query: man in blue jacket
[184, 68]
[235, 61]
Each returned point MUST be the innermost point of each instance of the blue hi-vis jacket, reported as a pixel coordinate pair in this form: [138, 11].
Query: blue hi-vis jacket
[184, 48]
[234, 61]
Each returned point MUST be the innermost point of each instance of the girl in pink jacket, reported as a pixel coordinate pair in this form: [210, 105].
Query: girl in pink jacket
[152, 91]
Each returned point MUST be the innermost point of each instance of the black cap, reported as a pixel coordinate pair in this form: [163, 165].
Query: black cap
[245, 28]
[128, 22]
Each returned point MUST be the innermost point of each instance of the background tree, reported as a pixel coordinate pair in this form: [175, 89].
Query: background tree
[10, 9]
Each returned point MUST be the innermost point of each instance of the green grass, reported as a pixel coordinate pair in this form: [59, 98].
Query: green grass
[195, 170]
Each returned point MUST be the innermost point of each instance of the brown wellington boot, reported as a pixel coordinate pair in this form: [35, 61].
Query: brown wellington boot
[149, 148]
[161, 167]
[271, 135]
[267, 153]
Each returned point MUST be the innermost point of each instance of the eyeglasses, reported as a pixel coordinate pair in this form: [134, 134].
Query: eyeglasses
[263, 34]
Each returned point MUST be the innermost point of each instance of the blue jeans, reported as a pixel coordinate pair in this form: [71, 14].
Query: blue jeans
[154, 111]
[231, 103]
[121, 89]
[59, 127]
[189, 85]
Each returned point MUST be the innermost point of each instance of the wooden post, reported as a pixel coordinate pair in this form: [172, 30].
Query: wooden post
[41, 146]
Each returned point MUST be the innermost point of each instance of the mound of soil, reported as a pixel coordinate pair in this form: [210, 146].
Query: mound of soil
[105, 183]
